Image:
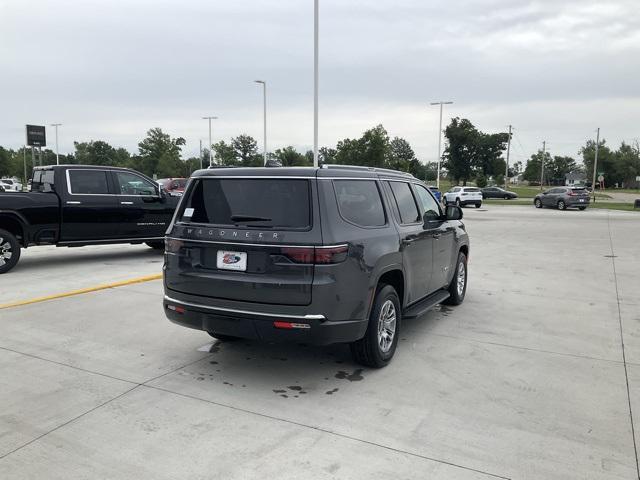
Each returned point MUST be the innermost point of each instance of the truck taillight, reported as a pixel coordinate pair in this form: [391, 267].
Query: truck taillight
[316, 255]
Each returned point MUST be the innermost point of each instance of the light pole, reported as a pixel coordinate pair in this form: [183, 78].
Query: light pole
[316, 78]
[441, 103]
[595, 166]
[210, 143]
[264, 101]
[544, 152]
[506, 173]
[57, 156]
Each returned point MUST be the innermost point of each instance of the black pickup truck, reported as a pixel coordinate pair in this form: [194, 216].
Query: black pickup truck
[77, 205]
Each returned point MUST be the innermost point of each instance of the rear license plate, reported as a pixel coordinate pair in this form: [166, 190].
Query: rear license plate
[232, 260]
[582, 199]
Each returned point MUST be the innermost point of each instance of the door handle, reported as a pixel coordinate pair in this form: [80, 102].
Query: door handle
[126, 203]
[69, 202]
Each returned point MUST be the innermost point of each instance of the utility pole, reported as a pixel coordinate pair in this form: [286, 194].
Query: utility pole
[210, 141]
[544, 149]
[506, 174]
[595, 166]
[57, 156]
[315, 80]
[441, 103]
[200, 154]
[24, 156]
[264, 113]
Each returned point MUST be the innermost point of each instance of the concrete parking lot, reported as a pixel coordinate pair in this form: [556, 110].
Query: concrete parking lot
[528, 379]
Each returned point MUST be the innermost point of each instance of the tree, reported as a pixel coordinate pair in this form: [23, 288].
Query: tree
[489, 149]
[5, 163]
[460, 153]
[99, 152]
[371, 150]
[327, 155]
[160, 154]
[627, 164]
[558, 167]
[225, 153]
[606, 161]
[246, 150]
[290, 157]
[532, 170]
[400, 154]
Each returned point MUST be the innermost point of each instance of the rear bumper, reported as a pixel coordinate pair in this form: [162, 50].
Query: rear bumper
[470, 201]
[254, 324]
[576, 203]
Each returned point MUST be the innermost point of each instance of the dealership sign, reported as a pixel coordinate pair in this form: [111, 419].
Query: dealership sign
[36, 136]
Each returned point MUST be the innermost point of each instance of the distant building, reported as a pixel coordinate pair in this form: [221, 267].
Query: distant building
[575, 179]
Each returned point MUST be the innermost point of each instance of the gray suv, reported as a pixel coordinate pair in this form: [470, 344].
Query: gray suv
[312, 255]
[563, 198]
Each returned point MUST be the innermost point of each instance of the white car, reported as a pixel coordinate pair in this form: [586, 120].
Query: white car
[11, 185]
[462, 196]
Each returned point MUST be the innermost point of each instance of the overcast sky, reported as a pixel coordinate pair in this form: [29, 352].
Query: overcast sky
[110, 70]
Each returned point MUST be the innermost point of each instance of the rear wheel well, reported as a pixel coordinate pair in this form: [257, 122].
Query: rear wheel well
[13, 226]
[395, 278]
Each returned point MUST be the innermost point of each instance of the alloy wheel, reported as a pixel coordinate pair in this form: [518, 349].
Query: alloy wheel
[5, 251]
[462, 278]
[386, 326]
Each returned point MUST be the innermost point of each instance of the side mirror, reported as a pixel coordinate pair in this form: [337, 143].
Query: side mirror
[162, 193]
[453, 212]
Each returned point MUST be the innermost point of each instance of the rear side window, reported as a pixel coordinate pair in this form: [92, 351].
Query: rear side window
[90, 182]
[239, 202]
[359, 202]
[472, 189]
[42, 181]
[405, 201]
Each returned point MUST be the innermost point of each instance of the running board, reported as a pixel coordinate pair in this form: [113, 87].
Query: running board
[426, 304]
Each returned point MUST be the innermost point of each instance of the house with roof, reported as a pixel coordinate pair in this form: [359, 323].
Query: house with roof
[575, 179]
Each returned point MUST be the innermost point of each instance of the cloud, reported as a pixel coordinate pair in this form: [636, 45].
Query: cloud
[112, 70]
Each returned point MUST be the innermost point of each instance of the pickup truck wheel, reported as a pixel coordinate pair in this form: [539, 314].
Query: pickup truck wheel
[9, 251]
[377, 347]
[156, 245]
[458, 285]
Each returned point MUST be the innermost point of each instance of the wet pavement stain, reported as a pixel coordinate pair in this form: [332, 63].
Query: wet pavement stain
[227, 383]
[356, 376]
[331, 392]
[213, 362]
[279, 391]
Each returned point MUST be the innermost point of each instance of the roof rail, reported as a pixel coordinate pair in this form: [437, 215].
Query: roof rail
[368, 169]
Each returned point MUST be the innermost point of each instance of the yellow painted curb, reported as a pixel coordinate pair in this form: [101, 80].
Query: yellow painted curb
[146, 278]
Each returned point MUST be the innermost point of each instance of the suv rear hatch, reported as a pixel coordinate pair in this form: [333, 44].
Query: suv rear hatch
[245, 239]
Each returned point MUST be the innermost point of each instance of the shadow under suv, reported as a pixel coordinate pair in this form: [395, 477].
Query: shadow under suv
[312, 255]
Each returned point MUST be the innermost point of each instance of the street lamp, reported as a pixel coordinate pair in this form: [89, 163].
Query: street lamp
[440, 138]
[210, 143]
[57, 156]
[264, 99]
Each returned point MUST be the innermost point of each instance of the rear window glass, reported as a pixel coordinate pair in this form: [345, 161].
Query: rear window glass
[263, 203]
[406, 202]
[471, 189]
[90, 182]
[359, 202]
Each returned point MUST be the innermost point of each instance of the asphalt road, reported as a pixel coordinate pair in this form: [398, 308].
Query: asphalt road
[527, 379]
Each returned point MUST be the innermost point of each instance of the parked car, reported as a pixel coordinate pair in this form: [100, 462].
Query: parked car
[173, 186]
[436, 193]
[1, 188]
[75, 205]
[320, 256]
[497, 192]
[11, 185]
[463, 196]
[563, 198]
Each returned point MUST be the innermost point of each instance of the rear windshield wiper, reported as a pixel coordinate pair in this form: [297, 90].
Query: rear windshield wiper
[249, 218]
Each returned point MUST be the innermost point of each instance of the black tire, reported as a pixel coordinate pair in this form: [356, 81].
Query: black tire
[538, 203]
[9, 251]
[223, 338]
[478, 205]
[456, 295]
[156, 245]
[507, 197]
[367, 351]
[562, 205]
[582, 208]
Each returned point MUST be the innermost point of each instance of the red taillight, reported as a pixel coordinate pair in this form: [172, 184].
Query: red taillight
[572, 194]
[317, 255]
[290, 326]
[326, 255]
